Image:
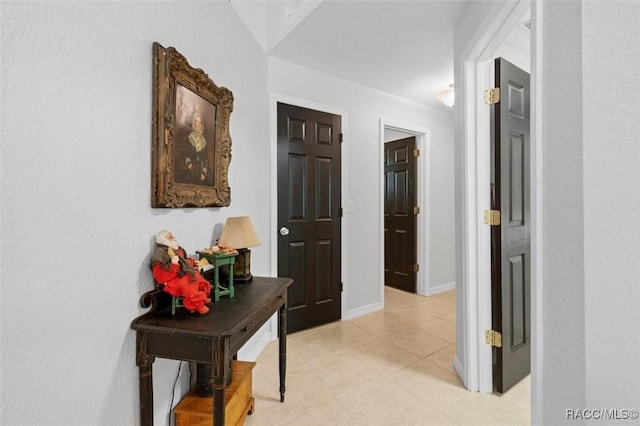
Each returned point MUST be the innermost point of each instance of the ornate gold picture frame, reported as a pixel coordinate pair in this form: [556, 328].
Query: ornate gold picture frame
[191, 147]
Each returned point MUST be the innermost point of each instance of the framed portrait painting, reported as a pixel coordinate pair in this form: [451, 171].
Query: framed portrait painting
[191, 146]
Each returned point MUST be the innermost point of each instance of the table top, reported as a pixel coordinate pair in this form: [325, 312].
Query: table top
[224, 318]
[216, 255]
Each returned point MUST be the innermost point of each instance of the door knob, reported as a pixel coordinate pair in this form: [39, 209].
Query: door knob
[284, 231]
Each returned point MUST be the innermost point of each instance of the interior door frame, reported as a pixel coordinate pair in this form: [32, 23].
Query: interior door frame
[423, 143]
[273, 123]
[475, 300]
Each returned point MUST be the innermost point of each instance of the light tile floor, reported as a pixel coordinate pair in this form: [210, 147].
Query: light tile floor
[389, 368]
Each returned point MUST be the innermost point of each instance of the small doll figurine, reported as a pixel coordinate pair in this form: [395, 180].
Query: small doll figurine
[178, 275]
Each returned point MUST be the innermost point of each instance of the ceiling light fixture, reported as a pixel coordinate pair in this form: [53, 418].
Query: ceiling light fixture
[447, 97]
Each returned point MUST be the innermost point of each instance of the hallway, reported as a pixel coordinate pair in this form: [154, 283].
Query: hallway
[388, 368]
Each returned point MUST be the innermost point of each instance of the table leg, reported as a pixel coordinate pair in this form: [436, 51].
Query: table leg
[220, 366]
[146, 395]
[232, 291]
[216, 284]
[282, 331]
[145, 371]
[203, 380]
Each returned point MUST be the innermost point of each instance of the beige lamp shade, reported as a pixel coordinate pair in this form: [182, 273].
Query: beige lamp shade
[239, 233]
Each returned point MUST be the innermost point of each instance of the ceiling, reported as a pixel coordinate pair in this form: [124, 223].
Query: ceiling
[403, 47]
[400, 47]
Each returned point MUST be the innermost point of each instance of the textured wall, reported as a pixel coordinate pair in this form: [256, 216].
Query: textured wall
[77, 225]
[611, 164]
[591, 207]
[563, 210]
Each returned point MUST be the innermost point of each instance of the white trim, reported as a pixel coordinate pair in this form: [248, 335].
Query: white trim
[470, 230]
[458, 366]
[251, 350]
[423, 143]
[483, 151]
[537, 406]
[275, 98]
[363, 310]
[440, 288]
[476, 271]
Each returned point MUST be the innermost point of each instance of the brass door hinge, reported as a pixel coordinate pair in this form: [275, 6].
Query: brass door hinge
[416, 210]
[491, 96]
[493, 338]
[492, 217]
[416, 267]
[416, 153]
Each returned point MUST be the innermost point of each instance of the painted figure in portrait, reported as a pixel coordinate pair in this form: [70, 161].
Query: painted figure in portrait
[195, 139]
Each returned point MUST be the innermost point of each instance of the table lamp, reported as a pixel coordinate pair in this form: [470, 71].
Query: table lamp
[238, 233]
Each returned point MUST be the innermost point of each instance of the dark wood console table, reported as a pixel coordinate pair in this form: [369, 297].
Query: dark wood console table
[211, 339]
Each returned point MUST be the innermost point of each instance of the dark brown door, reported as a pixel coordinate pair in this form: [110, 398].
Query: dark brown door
[309, 214]
[400, 264]
[510, 241]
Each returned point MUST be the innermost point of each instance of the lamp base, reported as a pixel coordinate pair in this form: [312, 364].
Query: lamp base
[241, 268]
[243, 279]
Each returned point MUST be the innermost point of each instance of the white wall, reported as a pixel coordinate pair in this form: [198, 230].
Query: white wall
[77, 226]
[587, 326]
[364, 108]
[591, 202]
[612, 179]
[563, 212]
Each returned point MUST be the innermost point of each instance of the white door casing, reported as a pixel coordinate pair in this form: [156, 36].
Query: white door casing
[475, 291]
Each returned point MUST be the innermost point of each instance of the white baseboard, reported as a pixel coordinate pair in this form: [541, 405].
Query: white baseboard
[440, 288]
[363, 310]
[457, 365]
[254, 347]
[268, 333]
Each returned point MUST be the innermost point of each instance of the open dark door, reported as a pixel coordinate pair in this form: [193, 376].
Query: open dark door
[309, 214]
[400, 242]
[510, 239]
